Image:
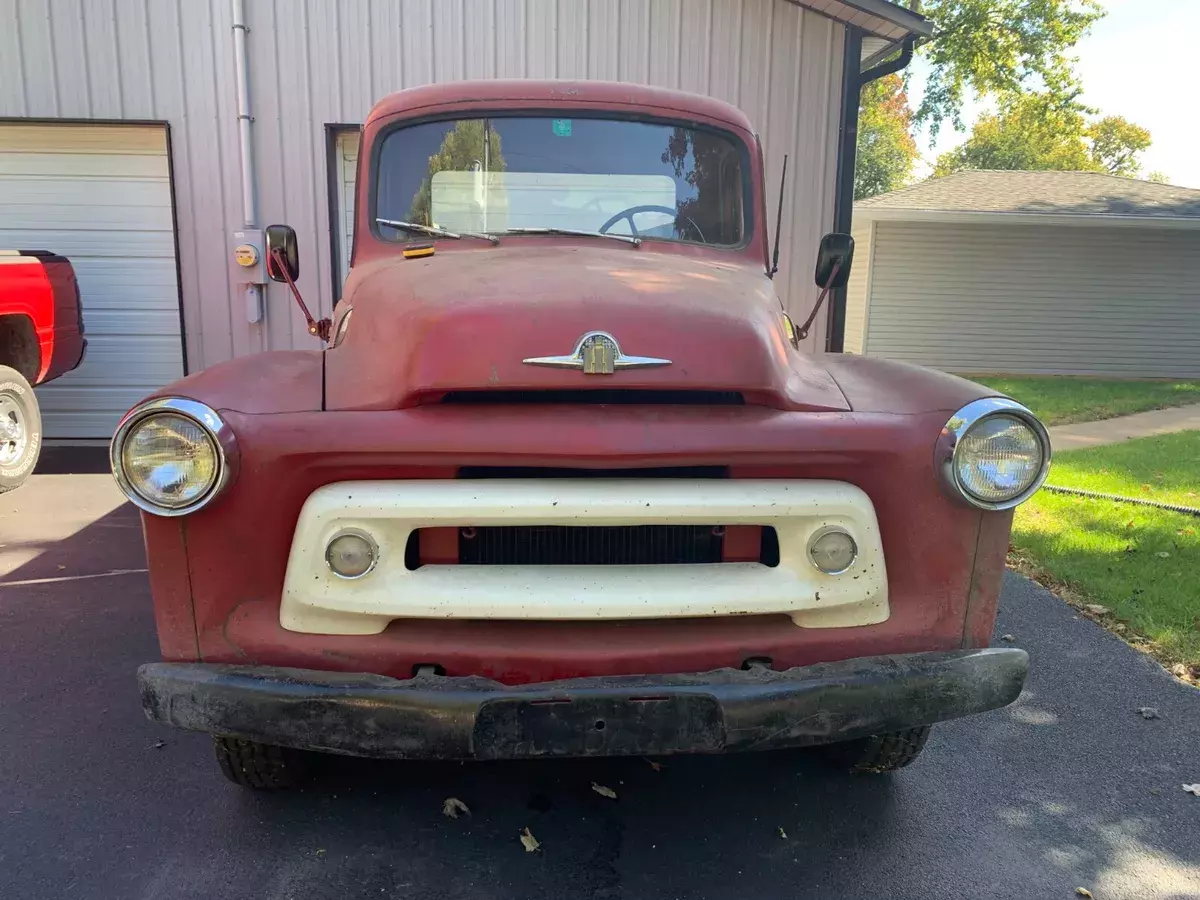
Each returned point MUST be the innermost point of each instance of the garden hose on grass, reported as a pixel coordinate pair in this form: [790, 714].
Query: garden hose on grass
[1095, 495]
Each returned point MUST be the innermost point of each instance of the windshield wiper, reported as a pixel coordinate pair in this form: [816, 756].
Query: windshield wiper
[628, 239]
[438, 232]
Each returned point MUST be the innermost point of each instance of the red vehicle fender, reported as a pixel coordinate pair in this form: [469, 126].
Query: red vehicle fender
[41, 322]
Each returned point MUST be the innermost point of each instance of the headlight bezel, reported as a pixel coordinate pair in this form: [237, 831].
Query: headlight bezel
[966, 420]
[217, 430]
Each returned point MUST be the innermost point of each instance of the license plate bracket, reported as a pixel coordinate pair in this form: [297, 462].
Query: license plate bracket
[599, 725]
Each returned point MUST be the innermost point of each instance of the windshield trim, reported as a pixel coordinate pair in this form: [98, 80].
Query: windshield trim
[745, 159]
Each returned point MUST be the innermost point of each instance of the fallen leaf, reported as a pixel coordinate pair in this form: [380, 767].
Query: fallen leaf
[782, 833]
[453, 806]
[1083, 892]
[1096, 609]
[1192, 789]
[321, 852]
[1118, 628]
[1179, 670]
[1148, 712]
[528, 841]
[157, 745]
[1156, 791]
[604, 791]
[1007, 637]
[657, 767]
[1162, 554]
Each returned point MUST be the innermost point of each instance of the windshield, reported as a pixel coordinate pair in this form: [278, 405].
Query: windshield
[653, 180]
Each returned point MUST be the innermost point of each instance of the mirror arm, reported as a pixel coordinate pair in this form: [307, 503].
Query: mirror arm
[318, 328]
[802, 331]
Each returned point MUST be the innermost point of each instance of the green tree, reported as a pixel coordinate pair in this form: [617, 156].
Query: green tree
[1116, 143]
[999, 48]
[887, 151]
[1158, 177]
[469, 144]
[1032, 131]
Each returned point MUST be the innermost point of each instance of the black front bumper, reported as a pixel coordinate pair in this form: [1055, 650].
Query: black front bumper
[435, 717]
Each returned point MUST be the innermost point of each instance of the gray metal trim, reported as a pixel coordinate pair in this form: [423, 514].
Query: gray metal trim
[960, 424]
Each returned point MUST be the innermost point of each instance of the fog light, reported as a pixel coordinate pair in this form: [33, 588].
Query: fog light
[351, 555]
[832, 551]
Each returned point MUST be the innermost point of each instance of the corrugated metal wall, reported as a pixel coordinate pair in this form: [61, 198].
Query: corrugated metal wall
[315, 62]
[1036, 299]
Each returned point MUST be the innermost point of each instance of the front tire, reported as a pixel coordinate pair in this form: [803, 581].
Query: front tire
[879, 752]
[20, 429]
[261, 767]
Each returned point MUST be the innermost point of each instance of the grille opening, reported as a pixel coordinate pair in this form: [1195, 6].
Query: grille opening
[605, 545]
[539, 472]
[570, 545]
[619, 396]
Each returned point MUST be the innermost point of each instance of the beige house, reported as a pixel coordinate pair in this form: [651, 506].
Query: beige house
[1030, 272]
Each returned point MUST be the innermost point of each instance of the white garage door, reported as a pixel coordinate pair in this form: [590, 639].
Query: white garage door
[101, 196]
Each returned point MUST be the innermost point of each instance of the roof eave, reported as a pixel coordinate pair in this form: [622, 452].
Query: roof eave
[881, 18]
[980, 217]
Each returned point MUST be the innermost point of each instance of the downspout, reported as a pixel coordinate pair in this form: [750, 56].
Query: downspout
[843, 207]
[253, 295]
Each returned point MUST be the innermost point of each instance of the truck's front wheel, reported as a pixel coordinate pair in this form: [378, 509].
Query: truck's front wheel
[20, 429]
[263, 767]
[879, 752]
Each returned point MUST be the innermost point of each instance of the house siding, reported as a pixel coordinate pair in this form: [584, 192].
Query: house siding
[318, 62]
[1036, 299]
[858, 289]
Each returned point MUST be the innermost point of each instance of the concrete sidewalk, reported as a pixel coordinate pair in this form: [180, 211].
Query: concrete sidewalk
[1124, 428]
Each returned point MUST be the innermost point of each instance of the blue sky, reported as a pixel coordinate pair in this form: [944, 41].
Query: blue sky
[1136, 63]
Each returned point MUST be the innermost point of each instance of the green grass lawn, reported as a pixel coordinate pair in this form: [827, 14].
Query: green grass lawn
[1141, 563]
[1060, 400]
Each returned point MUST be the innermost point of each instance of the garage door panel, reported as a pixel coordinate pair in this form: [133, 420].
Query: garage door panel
[96, 192]
[1036, 299]
[101, 196]
[80, 242]
[33, 217]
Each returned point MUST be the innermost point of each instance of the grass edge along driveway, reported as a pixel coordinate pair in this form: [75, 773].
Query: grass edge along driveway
[1065, 399]
[1140, 563]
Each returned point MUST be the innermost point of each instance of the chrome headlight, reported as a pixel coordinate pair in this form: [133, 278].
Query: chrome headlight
[172, 456]
[993, 454]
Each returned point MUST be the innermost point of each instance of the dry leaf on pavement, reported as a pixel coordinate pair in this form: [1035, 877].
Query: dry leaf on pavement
[782, 833]
[657, 767]
[528, 841]
[1192, 789]
[453, 806]
[1148, 712]
[1083, 892]
[604, 791]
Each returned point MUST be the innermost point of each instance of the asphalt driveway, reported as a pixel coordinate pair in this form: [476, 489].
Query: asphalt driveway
[1068, 788]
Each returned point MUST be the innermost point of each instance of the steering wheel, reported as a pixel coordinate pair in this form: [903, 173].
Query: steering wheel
[628, 214]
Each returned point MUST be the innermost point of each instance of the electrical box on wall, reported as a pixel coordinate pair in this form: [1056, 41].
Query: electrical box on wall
[248, 270]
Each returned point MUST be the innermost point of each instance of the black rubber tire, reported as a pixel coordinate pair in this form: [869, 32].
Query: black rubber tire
[262, 767]
[14, 386]
[879, 752]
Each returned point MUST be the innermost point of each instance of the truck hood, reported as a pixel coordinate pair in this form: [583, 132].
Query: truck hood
[463, 321]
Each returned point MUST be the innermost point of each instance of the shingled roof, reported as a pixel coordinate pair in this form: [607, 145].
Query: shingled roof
[1038, 193]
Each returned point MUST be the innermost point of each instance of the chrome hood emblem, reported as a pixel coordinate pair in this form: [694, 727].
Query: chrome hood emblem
[597, 353]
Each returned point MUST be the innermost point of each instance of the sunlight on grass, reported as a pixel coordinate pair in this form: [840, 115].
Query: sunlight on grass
[1140, 562]
[1059, 400]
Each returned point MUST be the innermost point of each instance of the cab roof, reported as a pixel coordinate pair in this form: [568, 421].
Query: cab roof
[582, 94]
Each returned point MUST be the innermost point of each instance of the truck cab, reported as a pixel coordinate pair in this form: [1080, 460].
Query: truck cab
[563, 482]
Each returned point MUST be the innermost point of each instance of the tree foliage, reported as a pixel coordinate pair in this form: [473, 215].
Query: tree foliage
[1042, 131]
[470, 144]
[999, 48]
[887, 151]
[1116, 143]
[1158, 177]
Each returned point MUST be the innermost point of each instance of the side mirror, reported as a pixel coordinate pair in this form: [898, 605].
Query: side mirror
[837, 250]
[282, 238]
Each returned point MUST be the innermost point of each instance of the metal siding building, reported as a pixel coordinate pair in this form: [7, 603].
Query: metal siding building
[1030, 273]
[317, 66]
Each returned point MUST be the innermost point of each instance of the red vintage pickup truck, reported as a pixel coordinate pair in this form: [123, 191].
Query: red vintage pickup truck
[41, 338]
[563, 481]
